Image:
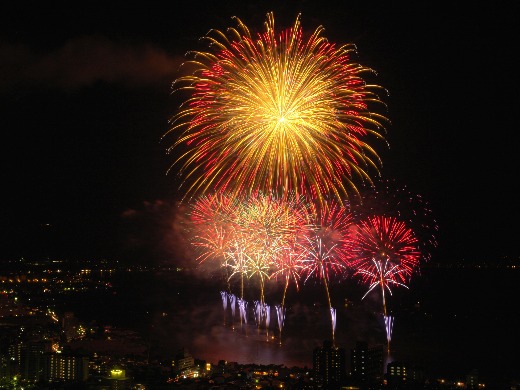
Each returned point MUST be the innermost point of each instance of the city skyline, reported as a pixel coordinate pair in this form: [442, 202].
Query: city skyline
[432, 323]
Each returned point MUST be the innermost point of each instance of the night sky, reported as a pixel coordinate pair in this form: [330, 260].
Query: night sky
[85, 96]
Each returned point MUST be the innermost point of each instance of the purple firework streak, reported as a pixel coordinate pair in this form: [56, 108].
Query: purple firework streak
[389, 325]
[267, 315]
[280, 315]
[224, 296]
[242, 305]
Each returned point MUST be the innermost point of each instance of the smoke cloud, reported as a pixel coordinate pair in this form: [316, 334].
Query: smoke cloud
[156, 232]
[83, 61]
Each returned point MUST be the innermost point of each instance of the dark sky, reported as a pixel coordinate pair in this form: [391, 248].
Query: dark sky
[85, 95]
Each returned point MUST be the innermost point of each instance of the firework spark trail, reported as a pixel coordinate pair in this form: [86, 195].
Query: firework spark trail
[258, 312]
[212, 227]
[333, 319]
[211, 245]
[232, 301]
[266, 225]
[224, 296]
[237, 260]
[292, 225]
[387, 239]
[389, 325]
[213, 209]
[383, 274]
[289, 266]
[267, 315]
[246, 236]
[387, 253]
[280, 315]
[268, 220]
[270, 225]
[277, 112]
[327, 249]
[388, 198]
[242, 305]
[319, 255]
[259, 265]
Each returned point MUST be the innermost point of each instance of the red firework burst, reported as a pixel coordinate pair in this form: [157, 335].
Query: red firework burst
[386, 239]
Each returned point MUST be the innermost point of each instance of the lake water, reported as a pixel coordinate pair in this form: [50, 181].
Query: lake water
[449, 321]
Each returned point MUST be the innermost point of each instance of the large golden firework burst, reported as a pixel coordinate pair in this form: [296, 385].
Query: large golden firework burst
[277, 113]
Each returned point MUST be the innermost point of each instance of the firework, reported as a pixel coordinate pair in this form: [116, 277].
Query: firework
[232, 302]
[237, 260]
[333, 319]
[270, 220]
[224, 296]
[387, 254]
[388, 198]
[289, 266]
[276, 112]
[327, 247]
[288, 262]
[260, 263]
[386, 239]
[212, 229]
[326, 251]
[328, 244]
[267, 315]
[258, 312]
[249, 237]
[389, 326]
[268, 225]
[242, 306]
[381, 273]
[280, 315]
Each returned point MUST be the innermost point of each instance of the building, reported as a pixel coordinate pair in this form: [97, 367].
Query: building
[71, 327]
[27, 359]
[117, 380]
[399, 373]
[472, 380]
[366, 363]
[5, 368]
[66, 366]
[183, 364]
[329, 364]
